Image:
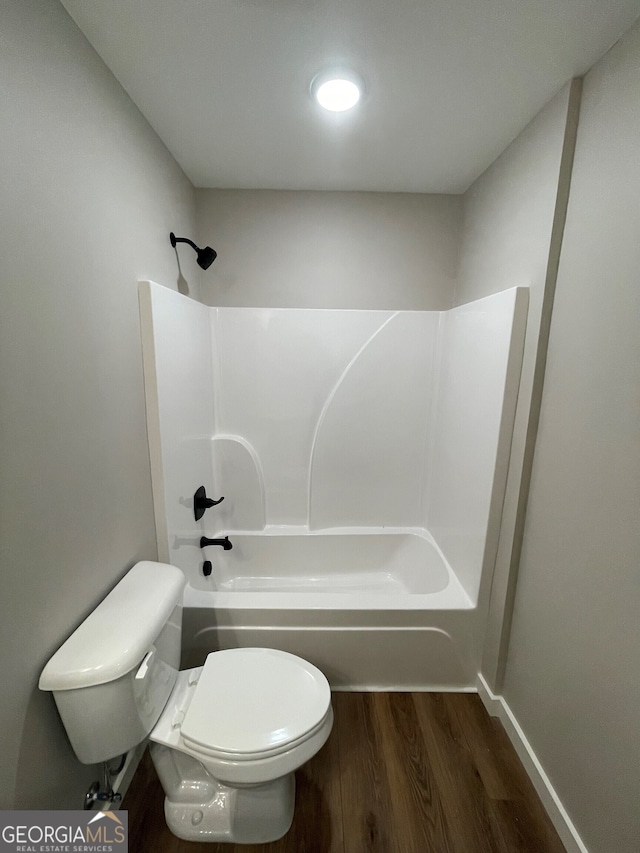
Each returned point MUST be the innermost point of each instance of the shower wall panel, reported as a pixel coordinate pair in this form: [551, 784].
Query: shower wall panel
[178, 375]
[369, 459]
[332, 418]
[274, 370]
[479, 368]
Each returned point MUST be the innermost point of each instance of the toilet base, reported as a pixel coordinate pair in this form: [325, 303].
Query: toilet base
[198, 807]
[252, 815]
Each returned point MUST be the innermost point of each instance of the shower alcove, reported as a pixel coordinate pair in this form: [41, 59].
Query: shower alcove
[362, 456]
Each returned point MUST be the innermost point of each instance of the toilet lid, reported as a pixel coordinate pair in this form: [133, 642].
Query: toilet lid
[252, 701]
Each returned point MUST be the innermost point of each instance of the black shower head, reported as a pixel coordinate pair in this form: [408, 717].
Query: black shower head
[206, 256]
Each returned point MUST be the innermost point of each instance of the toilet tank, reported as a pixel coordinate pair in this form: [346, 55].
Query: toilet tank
[113, 676]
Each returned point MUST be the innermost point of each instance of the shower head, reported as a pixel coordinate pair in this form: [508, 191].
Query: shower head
[206, 256]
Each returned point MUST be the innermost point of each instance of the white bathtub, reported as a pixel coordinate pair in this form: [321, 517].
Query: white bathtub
[344, 562]
[373, 608]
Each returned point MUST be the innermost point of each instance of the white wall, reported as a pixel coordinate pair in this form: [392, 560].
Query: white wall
[512, 219]
[508, 212]
[573, 670]
[329, 249]
[88, 196]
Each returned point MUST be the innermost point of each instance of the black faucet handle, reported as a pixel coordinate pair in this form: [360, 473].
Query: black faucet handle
[201, 502]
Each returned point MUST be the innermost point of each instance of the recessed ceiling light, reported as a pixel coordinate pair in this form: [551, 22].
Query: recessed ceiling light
[337, 91]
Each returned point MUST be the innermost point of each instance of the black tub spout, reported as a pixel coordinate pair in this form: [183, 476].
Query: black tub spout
[224, 543]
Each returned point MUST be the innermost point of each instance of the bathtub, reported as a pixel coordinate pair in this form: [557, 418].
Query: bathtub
[373, 608]
[346, 567]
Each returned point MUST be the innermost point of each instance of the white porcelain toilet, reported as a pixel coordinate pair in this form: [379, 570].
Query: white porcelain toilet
[226, 737]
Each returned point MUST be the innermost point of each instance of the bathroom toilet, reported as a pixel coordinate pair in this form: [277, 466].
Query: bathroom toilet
[226, 737]
[248, 718]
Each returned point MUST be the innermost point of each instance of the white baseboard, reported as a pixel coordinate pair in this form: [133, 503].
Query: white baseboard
[497, 707]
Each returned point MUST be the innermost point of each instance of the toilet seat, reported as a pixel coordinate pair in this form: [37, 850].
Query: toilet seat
[238, 758]
[251, 704]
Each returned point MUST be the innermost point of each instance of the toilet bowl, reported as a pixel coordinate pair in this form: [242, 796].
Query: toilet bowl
[226, 737]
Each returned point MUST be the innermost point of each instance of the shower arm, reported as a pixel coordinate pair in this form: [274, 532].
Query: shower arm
[175, 240]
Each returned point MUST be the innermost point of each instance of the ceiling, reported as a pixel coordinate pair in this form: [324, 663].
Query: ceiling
[449, 83]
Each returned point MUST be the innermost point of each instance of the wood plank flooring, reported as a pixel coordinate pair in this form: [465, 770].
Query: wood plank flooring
[400, 773]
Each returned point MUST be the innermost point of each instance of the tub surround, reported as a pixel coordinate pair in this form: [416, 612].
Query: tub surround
[362, 459]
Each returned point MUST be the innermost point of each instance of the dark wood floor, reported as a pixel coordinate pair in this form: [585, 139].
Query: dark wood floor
[401, 773]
